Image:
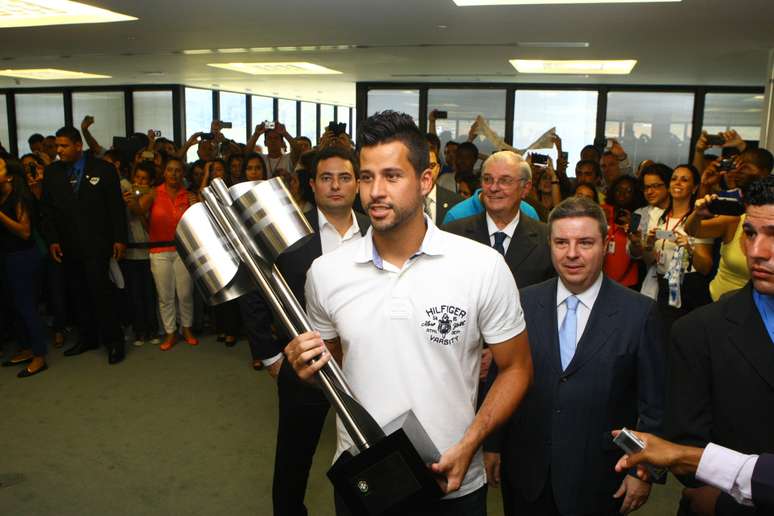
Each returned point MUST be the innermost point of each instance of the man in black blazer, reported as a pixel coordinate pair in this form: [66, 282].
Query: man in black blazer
[598, 365]
[721, 359]
[84, 224]
[440, 200]
[505, 181]
[302, 407]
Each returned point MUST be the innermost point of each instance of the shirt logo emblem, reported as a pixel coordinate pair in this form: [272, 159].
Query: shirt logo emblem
[444, 324]
[94, 181]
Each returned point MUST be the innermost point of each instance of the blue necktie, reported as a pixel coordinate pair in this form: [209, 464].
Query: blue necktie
[499, 240]
[567, 332]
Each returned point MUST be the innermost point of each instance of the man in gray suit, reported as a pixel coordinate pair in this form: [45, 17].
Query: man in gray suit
[598, 365]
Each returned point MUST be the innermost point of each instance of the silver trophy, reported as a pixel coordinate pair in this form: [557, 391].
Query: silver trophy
[229, 244]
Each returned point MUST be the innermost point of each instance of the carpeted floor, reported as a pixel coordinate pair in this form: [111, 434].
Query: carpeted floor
[186, 432]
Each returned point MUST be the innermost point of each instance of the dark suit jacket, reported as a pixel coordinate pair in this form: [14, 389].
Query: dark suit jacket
[720, 386]
[563, 425]
[296, 261]
[763, 483]
[86, 224]
[444, 200]
[528, 255]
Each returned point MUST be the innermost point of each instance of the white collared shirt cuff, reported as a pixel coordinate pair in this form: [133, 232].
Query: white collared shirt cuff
[729, 471]
[272, 360]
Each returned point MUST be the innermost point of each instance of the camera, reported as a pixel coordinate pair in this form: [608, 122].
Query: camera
[726, 164]
[156, 133]
[728, 202]
[268, 125]
[439, 115]
[225, 125]
[208, 136]
[337, 128]
[715, 140]
[540, 159]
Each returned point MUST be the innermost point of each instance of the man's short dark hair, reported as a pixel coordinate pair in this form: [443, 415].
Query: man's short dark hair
[333, 152]
[592, 163]
[656, 169]
[759, 192]
[468, 147]
[391, 126]
[573, 207]
[307, 140]
[761, 158]
[451, 142]
[71, 133]
[35, 138]
[307, 160]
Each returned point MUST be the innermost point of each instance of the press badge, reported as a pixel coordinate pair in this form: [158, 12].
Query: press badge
[611, 247]
[399, 308]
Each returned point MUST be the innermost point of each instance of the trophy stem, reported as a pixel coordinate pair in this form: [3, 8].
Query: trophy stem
[358, 423]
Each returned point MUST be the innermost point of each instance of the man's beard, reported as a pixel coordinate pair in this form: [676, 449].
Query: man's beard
[401, 216]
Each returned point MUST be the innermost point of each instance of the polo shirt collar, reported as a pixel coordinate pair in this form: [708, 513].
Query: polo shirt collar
[432, 245]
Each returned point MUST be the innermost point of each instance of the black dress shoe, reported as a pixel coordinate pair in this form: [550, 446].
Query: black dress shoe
[79, 348]
[116, 355]
[25, 373]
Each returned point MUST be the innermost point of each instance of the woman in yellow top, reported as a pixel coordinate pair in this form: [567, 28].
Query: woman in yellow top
[732, 272]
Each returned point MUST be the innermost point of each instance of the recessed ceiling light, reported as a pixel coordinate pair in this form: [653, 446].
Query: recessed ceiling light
[197, 51]
[50, 74]
[262, 49]
[620, 67]
[232, 50]
[553, 44]
[37, 13]
[296, 68]
[442, 26]
[471, 3]
[758, 97]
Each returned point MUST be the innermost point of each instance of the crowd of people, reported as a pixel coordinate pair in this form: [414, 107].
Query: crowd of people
[611, 276]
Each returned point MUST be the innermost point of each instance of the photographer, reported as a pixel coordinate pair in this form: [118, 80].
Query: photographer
[275, 135]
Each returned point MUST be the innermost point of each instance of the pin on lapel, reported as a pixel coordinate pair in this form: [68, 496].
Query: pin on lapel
[93, 181]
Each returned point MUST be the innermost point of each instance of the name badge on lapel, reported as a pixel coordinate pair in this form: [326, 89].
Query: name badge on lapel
[93, 181]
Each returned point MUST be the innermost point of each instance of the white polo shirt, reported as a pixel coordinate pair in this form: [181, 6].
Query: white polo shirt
[412, 338]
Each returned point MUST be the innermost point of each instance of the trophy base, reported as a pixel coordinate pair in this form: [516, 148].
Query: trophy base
[390, 476]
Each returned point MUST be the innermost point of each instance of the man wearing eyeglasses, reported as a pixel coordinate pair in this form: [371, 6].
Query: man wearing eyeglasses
[506, 180]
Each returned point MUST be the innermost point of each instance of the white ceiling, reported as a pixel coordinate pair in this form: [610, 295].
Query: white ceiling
[694, 42]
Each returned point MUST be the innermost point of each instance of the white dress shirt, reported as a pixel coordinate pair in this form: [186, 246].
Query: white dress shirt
[587, 300]
[729, 471]
[509, 230]
[330, 240]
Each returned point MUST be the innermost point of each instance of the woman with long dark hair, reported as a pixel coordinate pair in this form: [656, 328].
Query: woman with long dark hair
[21, 262]
[682, 262]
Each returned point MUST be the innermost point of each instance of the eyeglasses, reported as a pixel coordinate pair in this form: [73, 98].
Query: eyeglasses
[505, 181]
[654, 186]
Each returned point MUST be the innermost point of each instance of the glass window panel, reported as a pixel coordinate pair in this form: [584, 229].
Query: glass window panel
[353, 118]
[654, 126]
[198, 115]
[573, 113]
[327, 116]
[309, 121]
[107, 108]
[403, 101]
[37, 113]
[233, 108]
[5, 138]
[462, 107]
[287, 115]
[262, 110]
[153, 110]
[738, 111]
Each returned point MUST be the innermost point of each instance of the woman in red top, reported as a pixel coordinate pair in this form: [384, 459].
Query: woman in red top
[165, 206]
[624, 196]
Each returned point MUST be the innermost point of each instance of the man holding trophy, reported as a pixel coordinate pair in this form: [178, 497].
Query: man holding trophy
[405, 311]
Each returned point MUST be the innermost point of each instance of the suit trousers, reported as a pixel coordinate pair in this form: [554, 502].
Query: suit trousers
[302, 412]
[172, 281]
[89, 283]
[257, 318]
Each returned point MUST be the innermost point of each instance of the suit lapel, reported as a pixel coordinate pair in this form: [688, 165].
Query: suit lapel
[522, 244]
[478, 231]
[751, 337]
[550, 329]
[600, 326]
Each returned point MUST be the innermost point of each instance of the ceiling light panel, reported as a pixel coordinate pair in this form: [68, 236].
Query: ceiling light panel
[49, 74]
[478, 3]
[539, 66]
[37, 13]
[296, 68]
